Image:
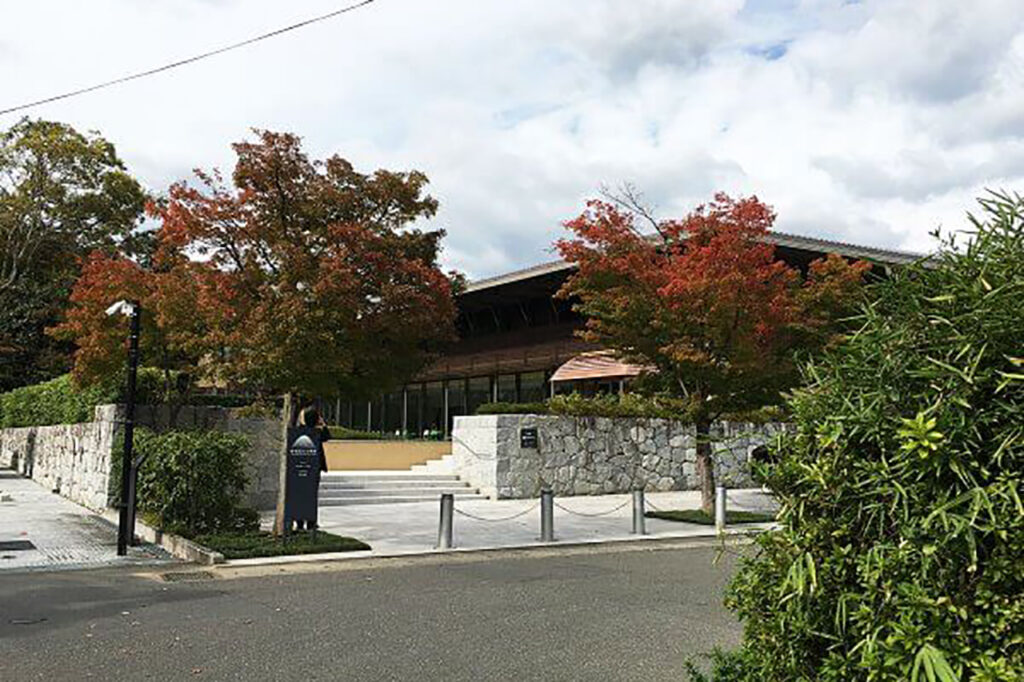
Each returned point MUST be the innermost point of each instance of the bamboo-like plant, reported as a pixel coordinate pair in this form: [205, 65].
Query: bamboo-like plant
[901, 548]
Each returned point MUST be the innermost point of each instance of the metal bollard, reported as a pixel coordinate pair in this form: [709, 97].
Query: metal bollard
[547, 515]
[444, 530]
[639, 527]
[720, 508]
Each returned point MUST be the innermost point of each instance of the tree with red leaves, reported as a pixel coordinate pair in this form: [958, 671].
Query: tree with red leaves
[304, 278]
[705, 304]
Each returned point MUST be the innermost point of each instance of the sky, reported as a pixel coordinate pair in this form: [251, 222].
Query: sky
[873, 122]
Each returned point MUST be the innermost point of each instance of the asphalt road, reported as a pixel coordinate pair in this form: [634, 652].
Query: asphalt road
[606, 614]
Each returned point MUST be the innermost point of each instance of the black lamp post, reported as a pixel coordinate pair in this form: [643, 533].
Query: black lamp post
[126, 516]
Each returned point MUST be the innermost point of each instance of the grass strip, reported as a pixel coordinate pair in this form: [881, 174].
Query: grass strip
[249, 544]
[698, 516]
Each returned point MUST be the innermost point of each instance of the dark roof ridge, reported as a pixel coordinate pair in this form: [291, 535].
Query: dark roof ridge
[887, 256]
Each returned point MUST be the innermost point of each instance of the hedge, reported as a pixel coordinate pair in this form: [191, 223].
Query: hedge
[59, 401]
[625, 405]
[56, 401]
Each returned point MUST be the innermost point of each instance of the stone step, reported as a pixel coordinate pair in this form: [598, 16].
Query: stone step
[384, 477]
[443, 465]
[348, 501]
[391, 485]
[334, 493]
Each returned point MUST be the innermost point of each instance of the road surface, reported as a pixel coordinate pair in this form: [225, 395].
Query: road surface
[608, 613]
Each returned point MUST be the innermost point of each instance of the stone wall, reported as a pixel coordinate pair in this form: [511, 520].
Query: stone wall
[72, 460]
[75, 460]
[596, 455]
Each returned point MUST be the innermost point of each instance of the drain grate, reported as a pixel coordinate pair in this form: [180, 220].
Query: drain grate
[15, 545]
[186, 576]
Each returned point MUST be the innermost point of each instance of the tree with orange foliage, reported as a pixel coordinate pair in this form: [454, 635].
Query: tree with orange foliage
[304, 278]
[705, 304]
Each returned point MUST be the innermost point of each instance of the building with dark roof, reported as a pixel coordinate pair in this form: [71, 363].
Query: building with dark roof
[514, 334]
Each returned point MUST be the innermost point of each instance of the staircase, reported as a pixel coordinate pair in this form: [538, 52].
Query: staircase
[422, 483]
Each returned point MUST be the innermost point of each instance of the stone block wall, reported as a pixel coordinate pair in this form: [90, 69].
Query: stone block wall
[75, 460]
[72, 460]
[596, 455]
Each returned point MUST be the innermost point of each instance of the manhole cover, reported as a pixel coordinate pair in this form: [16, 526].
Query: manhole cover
[15, 545]
[187, 576]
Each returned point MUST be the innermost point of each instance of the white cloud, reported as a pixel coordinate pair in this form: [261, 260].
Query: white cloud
[871, 122]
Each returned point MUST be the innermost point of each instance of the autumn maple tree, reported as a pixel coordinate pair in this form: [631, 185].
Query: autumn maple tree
[302, 278]
[705, 304]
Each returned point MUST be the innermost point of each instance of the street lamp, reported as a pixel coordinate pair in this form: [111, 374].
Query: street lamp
[126, 516]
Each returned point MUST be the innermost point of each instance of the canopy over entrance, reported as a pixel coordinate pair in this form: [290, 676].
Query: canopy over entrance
[600, 364]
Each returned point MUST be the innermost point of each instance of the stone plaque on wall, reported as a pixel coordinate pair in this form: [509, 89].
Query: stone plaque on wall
[528, 438]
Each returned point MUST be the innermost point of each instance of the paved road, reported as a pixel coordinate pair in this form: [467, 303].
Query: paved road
[608, 613]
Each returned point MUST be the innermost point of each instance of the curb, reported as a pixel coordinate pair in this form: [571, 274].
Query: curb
[640, 540]
[176, 545]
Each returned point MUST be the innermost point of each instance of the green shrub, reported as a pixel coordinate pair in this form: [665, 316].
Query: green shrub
[193, 482]
[901, 549]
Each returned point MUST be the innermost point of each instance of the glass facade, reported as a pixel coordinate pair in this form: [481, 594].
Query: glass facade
[478, 394]
[507, 388]
[433, 407]
[428, 409]
[456, 401]
[533, 387]
[393, 413]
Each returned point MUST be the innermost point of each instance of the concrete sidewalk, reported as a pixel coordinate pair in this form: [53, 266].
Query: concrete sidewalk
[42, 530]
[411, 528]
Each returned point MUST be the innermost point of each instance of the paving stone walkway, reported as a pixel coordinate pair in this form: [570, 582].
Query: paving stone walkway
[41, 530]
[409, 528]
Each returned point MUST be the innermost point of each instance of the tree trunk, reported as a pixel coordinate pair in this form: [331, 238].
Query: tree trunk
[705, 466]
[289, 415]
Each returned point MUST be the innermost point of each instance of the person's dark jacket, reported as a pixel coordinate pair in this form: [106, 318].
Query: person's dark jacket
[325, 435]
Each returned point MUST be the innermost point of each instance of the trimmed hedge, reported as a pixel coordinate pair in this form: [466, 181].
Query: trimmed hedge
[625, 405]
[59, 401]
[56, 401]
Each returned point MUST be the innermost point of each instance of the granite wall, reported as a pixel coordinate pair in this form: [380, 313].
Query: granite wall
[74, 460]
[596, 455]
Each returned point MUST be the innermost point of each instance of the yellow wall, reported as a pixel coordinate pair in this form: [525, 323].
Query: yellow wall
[349, 455]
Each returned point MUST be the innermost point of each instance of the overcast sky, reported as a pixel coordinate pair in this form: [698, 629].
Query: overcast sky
[872, 122]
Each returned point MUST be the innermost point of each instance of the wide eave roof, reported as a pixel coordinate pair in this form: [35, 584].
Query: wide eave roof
[781, 239]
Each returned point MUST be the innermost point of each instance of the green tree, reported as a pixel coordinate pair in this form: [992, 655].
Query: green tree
[62, 195]
[901, 545]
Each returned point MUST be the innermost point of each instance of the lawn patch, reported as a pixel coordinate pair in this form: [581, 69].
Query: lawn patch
[262, 543]
[698, 516]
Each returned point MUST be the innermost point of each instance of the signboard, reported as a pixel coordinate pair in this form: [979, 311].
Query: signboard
[303, 478]
[528, 438]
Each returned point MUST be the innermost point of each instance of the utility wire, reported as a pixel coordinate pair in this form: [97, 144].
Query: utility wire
[189, 60]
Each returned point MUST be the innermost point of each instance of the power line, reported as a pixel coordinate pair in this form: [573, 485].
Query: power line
[189, 60]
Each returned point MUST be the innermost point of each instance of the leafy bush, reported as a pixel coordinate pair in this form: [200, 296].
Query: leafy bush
[193, 481]
[901, 546]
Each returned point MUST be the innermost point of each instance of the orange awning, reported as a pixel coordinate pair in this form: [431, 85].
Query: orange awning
[600, 364]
